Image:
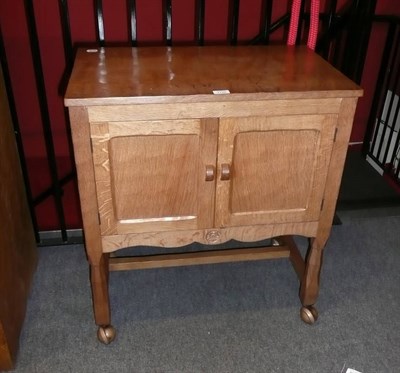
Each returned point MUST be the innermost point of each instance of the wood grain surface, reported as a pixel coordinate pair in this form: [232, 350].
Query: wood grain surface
[182, 74]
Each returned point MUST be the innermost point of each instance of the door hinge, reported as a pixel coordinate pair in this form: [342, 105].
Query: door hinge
[98, 218]
[334, 137]
[91, 145]
[322, 204]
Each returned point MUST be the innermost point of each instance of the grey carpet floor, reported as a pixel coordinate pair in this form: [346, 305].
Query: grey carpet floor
[239, 317]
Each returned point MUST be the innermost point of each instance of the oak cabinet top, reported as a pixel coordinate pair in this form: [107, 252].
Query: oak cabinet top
[124, 75]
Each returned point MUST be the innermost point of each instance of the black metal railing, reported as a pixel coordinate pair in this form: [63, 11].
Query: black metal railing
[56, 187]
[18, 138]
[382, 139]
[337, 43]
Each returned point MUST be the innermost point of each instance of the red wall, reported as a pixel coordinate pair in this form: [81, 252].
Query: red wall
[149, 15]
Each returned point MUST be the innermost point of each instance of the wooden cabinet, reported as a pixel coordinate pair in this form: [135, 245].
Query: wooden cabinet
[190, 144]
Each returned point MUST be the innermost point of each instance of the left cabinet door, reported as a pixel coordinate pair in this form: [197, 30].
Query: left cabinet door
[155, 175]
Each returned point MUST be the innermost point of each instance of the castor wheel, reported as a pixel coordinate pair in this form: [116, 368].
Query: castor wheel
[106, 334]
[309, 314]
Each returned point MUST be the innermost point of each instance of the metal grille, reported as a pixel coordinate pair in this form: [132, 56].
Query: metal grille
[383, 142]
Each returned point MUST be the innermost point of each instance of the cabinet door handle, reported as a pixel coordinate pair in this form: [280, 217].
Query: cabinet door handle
[210, 172]
[225, 171]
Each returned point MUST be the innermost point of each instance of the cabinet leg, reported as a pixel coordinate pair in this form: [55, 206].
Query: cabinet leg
[309, 287]
[101, 305]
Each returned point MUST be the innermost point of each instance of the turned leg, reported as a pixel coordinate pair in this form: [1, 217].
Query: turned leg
[309, 287]
[101, 304]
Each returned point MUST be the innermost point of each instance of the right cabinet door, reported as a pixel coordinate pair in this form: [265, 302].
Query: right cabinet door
[272, 169]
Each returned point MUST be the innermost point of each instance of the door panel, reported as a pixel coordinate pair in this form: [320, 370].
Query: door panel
[150, 176]
[277, 168]
[154, 177]
[287, 156]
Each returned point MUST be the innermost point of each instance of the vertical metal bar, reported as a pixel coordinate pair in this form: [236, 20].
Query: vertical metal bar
[168, 22]
[98, 9]
[68, 50]
[331, 13]
[358, 38]
[329, 25]
[44, 111]
[233, 23]
[384, 120]
[68, 55]
[396, 153]
[18, 138]
[337, 53]
[377, 102]
[333, 34]
[366, 22]
[266, 21]
[131, 4]
[350, 46]
[396, 117]
[200, 17]
[397, 172]
[66, 31]
[391, 108]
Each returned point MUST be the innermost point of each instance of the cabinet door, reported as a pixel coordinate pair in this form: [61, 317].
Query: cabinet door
[272, 169]
[155, 175]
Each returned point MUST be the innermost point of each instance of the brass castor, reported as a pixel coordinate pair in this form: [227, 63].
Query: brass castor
[309, 314]
[106, 334]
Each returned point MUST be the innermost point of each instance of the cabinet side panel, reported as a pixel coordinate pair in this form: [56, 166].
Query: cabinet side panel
[99, 140]
[86, 182]
[344, 126]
